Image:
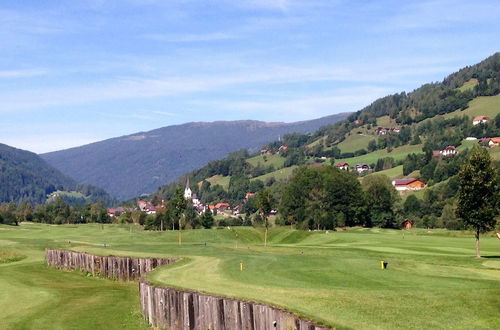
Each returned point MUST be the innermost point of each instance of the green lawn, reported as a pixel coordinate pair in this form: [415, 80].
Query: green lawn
[432, 280]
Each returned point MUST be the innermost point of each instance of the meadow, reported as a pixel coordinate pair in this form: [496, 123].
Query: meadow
[432, 279]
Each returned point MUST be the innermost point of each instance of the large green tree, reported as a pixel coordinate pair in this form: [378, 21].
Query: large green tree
[322, 198]
[381, 200]
[478, 193]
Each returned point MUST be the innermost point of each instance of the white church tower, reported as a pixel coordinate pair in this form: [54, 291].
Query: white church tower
[187, 190]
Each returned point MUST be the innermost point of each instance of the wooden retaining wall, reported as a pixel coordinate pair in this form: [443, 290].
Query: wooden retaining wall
[169, 308]
[120, 268]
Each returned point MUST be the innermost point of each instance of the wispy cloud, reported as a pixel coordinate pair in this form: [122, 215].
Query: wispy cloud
[217, 36]
[22, 73]
[260, 78]
[303, 107]
[433, 14]
[164, 113]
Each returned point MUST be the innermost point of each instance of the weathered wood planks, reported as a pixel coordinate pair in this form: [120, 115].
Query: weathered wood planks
[169, 308]
[120, 268]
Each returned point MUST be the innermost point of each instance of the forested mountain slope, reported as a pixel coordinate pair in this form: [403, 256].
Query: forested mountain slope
[131, 165]
[26, 177]
[395, 135]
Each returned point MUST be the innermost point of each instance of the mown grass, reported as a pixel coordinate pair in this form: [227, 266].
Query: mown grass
[433, 280]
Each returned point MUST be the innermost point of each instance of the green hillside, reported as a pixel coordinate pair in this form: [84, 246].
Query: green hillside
[26, 177]
[396, 136]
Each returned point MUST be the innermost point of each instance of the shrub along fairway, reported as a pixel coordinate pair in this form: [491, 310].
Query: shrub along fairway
[432, 279]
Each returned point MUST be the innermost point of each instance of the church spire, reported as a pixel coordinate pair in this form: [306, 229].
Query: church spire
[187, 190]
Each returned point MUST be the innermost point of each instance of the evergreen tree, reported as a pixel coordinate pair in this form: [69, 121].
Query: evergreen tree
[207, 219]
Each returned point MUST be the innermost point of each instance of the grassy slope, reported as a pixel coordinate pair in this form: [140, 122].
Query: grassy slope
[372, 157]
[392, 173]
[331, 277]
[355, 142]
[481, 106]
[278, 174]
[468, 85]
[220, 180]
[276, 160]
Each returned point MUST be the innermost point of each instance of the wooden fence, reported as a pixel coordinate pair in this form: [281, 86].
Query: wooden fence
[120, 268]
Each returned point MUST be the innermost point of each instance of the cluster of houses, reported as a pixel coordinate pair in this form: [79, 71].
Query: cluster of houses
[446, 152]
[360, 168]
[270, 152]
[384, 130]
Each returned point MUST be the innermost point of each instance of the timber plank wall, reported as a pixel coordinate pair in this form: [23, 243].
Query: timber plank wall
[169, 308]
[120, 268]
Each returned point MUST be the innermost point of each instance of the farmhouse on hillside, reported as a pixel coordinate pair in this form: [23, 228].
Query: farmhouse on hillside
[362, 168]
[381, 130]
[448, 151]
[408, 184]
[480, 120]
[490, 142]
[342, 166]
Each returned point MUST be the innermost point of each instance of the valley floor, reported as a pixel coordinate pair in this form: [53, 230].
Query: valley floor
[432, 279]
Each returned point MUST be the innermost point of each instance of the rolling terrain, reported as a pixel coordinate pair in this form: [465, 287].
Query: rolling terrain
[331, 277]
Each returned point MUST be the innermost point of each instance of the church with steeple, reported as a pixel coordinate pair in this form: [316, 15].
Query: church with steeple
[187, 191]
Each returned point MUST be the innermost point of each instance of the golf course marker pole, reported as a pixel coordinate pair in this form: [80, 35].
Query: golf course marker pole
[241, 266]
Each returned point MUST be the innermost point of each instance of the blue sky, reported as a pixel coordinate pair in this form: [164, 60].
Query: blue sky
[75, 72]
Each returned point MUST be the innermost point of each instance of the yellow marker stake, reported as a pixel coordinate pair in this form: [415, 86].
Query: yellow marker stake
[382, 264]
[241, 266]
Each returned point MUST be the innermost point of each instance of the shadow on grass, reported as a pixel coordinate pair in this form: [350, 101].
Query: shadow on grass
[491, 257]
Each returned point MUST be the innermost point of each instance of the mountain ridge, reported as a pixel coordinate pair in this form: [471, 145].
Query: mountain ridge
[138, 163]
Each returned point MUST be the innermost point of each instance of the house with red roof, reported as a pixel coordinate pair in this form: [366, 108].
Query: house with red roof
[342, 166]
[480, 120]
[446, 152]
[408, 184]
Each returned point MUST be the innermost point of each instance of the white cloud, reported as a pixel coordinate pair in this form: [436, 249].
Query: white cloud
[148, 88]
